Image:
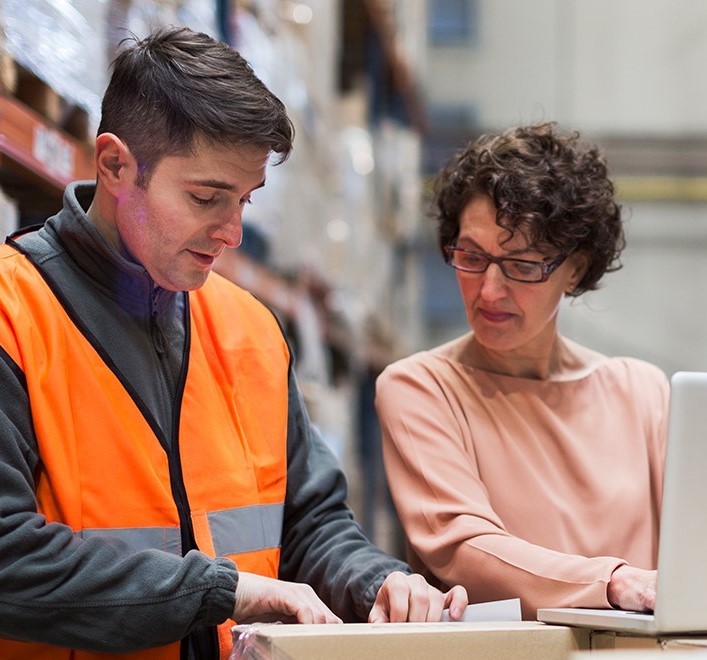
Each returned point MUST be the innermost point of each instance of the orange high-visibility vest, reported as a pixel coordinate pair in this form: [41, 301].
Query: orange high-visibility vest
[232, 433]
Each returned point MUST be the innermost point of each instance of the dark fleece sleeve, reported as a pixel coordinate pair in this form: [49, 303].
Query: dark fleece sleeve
[322, 545]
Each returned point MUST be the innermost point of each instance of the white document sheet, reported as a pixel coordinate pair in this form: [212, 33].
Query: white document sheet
[497, 610]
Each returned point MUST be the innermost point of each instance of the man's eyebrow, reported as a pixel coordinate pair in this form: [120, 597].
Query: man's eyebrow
[220, 185]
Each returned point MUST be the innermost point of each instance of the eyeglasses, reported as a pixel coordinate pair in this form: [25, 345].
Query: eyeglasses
[520, 270]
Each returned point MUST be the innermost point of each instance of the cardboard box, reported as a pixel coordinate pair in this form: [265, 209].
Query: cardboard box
[635, 654]
[408, 641]
[603, 640]
[600, 640]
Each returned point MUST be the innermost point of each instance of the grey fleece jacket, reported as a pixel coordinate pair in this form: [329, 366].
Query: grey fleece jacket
[102, 595]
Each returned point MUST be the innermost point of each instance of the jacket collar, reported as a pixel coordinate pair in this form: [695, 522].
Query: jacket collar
[125, 281]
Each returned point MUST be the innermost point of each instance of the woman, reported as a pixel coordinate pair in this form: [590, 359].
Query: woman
[521, 463]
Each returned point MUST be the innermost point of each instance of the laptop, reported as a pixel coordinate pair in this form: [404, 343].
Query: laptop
[681, 591]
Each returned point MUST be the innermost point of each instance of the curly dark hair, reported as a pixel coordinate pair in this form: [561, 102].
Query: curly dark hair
[552, 187]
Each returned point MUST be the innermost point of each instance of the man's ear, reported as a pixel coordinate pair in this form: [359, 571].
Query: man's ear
[114, 163]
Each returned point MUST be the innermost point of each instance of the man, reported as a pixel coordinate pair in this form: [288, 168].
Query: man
[160, 477]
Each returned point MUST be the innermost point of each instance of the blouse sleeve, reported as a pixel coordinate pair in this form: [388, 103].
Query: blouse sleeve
[446, 512]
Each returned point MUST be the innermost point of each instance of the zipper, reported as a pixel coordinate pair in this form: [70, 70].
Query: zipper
[179, 492]
[205, 644]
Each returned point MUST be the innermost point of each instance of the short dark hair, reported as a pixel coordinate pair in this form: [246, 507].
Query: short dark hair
[178, 86]
[552, 187]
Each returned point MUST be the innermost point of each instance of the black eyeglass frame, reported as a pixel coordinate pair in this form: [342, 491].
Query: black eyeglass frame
[547, 268]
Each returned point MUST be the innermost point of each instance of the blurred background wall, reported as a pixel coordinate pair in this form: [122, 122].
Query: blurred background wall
[382, 92]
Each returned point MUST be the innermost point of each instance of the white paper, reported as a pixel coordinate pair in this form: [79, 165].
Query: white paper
[497, 610]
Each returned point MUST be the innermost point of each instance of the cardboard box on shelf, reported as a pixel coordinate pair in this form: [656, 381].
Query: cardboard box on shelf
[411, 641]
[8, 72]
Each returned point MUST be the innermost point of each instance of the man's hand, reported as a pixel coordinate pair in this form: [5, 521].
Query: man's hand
[410, 598]
[632, 589]
[264, 599]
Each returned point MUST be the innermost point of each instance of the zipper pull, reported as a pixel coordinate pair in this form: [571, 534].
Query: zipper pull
[155, 328]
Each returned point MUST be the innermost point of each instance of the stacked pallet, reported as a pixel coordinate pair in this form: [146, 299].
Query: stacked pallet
[20, 83]
[44, 145]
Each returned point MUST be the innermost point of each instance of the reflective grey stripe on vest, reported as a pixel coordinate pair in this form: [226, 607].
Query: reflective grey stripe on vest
[233, 531]
[142, 538]
[246, 528]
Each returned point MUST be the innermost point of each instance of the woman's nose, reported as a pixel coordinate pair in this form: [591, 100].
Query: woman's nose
[494, 284]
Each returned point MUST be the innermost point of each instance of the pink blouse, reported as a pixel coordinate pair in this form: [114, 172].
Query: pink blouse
[515, 487]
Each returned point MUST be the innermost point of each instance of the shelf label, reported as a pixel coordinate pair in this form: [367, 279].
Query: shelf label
[54, 152]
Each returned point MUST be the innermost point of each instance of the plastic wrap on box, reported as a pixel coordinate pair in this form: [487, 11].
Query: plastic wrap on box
[248, 645]
[61, 42]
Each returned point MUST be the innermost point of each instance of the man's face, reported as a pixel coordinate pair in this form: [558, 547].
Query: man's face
[190, 210]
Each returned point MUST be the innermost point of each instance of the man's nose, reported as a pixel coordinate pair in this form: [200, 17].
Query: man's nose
[230, 230]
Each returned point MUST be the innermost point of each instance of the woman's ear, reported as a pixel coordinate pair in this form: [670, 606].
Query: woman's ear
[114, 163]
[579, 263]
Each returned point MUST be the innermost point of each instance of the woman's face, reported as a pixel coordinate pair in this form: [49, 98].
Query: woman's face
[505, 315]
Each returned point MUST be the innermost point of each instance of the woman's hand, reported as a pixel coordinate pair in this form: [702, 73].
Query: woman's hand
[632, 589]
